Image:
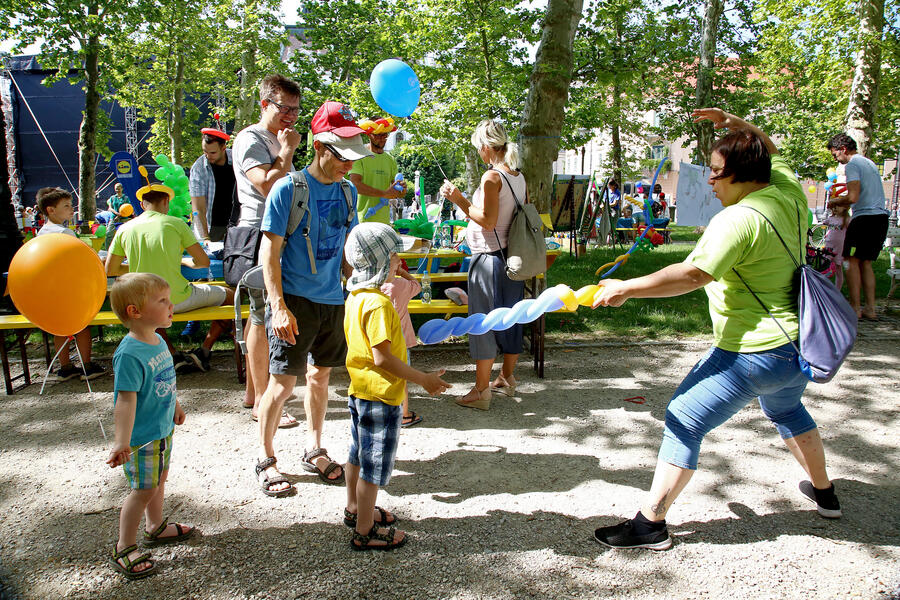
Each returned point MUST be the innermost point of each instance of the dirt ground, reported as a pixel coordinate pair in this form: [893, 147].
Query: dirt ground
[499, 504]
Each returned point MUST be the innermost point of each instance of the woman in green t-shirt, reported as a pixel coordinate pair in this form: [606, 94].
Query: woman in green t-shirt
[749, 358]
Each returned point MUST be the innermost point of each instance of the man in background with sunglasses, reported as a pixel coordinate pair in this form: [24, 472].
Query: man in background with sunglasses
[305, 313]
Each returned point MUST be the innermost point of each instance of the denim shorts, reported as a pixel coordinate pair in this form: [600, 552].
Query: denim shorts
[720, 385]
[375, 432]
[146, 466]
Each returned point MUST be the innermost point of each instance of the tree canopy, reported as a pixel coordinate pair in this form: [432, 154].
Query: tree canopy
[802, 69]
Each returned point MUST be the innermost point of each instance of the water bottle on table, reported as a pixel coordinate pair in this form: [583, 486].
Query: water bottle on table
[426, 288]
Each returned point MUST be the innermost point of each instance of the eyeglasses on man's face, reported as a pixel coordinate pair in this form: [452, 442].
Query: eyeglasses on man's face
[284, 108]
[337, 154]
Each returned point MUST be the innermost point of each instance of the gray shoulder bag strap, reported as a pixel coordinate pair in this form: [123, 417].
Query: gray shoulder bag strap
[796, 263]
[519, 207]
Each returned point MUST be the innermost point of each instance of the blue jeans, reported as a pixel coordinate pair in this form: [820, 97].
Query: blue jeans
[720, 385]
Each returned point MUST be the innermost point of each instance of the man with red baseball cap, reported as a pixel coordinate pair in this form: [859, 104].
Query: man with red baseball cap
[305, 301]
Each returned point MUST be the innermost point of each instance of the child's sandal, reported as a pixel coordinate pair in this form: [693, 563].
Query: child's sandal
[126, 567]
[373, 534]
[154, 539]
[384, 518]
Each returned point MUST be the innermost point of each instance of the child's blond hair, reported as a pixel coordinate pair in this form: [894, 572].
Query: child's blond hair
[133, 289]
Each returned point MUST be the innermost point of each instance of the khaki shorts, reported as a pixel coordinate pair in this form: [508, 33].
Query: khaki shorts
[202, 295]
[320, 342]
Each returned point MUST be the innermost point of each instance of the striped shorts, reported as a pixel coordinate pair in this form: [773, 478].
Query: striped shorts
[147, 464]
[375, 429]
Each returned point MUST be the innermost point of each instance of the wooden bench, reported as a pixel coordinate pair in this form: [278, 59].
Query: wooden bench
[448, 308]
[19, 325]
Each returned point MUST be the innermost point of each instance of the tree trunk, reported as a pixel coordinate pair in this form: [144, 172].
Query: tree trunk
[245, 113]
[474, 169]
[548, 93]
[617, 106]
[617, 136]
[87, 136]
[178, 108]
[867, 76]
[705, 70]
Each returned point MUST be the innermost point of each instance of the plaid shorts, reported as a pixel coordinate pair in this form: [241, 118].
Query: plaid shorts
[146, 466]
[375, 429]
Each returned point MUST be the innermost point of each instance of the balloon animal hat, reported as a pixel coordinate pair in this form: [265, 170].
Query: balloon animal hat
[378, 126]
[218, 131]
[152, 187]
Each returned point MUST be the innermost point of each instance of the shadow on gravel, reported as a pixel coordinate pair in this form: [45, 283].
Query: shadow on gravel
[859, 501]
[459, 475]
[471, 557]
[7, 591]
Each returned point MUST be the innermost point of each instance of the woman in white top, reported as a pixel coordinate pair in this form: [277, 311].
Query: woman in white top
[490, 213]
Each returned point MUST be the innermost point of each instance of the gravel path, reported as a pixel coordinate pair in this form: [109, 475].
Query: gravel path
[499, 504]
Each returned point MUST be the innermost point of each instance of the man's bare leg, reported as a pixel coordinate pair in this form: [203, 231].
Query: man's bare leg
[315, 403]
[270, 407]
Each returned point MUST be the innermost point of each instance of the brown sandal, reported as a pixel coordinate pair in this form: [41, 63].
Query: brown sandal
[267, 482]
[126, 567]
[384, 518]
[153, 538]
[311, 467]
[373, 534]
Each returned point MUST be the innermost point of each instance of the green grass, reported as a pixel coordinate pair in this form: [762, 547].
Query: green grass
[682, 316]
[661, 317]
[684, 233]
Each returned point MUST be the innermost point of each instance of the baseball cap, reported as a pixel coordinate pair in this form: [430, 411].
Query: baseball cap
[349, 148]
[336, 118]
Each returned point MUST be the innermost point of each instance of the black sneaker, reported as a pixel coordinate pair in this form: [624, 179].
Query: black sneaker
[200, 358]
[826, 501]
[67, 372]
[180, 360]
[92, 371]
[624, 536]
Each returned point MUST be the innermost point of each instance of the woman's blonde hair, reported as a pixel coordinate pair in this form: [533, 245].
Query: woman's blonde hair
[492, 134]
[133, 289]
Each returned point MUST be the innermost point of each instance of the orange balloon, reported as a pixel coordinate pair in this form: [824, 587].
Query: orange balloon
[58, 282]
[127, 210]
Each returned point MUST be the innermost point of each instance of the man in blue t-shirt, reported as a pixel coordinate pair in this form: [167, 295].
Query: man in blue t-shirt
[868, 227]
[305, 308]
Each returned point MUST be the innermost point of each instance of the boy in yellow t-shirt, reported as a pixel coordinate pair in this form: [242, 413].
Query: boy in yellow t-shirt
[376, 362]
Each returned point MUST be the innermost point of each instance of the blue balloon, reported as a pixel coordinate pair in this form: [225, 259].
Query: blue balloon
[395, 87]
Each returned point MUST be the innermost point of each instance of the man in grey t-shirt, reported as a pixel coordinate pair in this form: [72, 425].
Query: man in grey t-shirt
[868, 227]
[262, 155]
